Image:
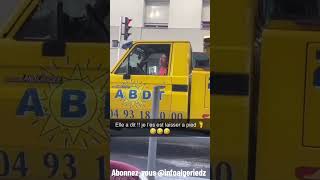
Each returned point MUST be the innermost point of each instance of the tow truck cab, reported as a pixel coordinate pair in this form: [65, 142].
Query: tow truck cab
[186, 93]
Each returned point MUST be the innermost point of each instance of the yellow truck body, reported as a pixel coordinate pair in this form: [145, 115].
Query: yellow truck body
[271, 131]
[186, 93]
[52, 96]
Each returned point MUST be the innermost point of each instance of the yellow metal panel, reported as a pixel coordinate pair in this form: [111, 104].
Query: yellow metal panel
[180, 59]
[280, 147]
[200, 99]
[33, 125]
[233, 35]
[232, 49]
[235, 59]
[179, 101]
[230, 135]
[311, 123]
[184, 80]
[199, 90]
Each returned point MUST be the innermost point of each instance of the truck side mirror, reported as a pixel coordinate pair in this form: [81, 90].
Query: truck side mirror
[126, 76]
[54, 48]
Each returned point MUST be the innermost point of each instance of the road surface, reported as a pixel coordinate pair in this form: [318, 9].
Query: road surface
[186, 153]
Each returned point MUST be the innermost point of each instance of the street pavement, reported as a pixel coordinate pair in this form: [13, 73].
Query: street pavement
[176, 153]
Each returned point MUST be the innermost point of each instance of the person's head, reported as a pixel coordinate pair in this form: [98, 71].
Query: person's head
[164, 60]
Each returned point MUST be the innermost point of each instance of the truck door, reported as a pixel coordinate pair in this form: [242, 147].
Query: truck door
[133, 80]
[288, 143]
[311, 121]
[53, 73]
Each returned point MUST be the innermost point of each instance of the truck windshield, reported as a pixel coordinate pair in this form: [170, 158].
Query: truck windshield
[82, 21]
[292, 9]
[200, 60]
[7, 13]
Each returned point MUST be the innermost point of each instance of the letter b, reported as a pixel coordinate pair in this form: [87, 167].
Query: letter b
[75, 99]
[133, 94]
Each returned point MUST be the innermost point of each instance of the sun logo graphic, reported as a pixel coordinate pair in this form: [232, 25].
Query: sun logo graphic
[72, 111]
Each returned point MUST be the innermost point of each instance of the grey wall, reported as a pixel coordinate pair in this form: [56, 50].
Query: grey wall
[194, 35]
[182, 13]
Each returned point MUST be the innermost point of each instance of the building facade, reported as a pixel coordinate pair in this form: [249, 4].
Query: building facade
[151, 20]
[161, 20]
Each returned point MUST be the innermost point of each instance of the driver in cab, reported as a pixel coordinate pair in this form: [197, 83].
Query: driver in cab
[163, 71]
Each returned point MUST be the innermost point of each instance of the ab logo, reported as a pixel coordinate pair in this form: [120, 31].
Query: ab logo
[135, 95]
[76, 108]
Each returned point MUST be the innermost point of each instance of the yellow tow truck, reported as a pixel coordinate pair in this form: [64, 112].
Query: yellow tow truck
[184, 75]
[53, 69]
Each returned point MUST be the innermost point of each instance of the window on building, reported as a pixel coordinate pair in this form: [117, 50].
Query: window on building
[206, 14]
[293, 10]
[157, 13]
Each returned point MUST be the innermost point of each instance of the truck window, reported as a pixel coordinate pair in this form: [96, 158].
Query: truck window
[83, 21]
[292, 9]
[200, 60]
[206, 45]
[147, 59]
